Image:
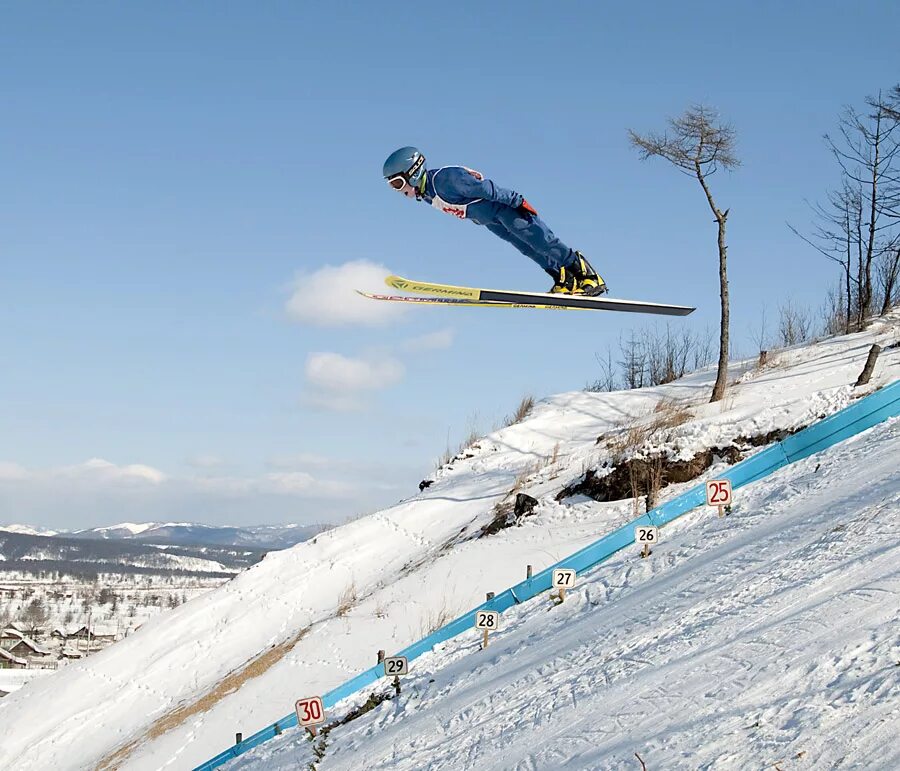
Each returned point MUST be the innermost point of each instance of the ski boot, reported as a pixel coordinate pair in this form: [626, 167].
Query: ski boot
[578, 278]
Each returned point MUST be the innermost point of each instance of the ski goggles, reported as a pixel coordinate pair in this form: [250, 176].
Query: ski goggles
[398, 181]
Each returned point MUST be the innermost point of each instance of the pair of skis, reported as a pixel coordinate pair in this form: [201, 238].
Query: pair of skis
[473, 297]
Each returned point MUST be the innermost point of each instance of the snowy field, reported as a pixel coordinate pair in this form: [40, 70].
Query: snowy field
[768, 637]
[722, 629]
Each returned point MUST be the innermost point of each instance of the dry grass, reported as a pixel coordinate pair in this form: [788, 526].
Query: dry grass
[434, 619]
[522, 411]
[226, 686]
[347, 599]
[669, 414]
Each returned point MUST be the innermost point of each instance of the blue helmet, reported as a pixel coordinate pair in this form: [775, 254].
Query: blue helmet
[407, 163]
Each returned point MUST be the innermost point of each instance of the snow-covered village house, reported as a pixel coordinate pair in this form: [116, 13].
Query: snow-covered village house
[8, 661]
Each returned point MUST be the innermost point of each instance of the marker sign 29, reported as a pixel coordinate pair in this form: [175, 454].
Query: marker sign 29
[646, 534]
[563, 578]
[396, 665]
[310, 711]
[489, 620]
[718, 492]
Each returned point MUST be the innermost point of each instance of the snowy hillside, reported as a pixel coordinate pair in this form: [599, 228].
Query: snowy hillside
[308, 618]
[766, 637]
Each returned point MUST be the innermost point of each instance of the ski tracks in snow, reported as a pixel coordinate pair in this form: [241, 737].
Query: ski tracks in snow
[762, 637]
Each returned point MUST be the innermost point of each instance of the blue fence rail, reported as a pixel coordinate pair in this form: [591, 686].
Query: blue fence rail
[858, 417]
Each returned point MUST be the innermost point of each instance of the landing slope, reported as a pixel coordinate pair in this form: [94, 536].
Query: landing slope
[308, 618]
[766, 637]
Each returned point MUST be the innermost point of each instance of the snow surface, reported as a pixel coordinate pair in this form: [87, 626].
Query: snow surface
[767, 636]
[414, 565]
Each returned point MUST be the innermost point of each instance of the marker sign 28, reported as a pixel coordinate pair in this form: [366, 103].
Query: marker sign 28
[563, 578]
[646, 534]
[396, 665]
[310, 711]
[718, 492]
[489, 620]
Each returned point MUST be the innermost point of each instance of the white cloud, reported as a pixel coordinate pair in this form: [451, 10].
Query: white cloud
[433, 341]
[327, 297]
[12, 471]
[97, 468]
[333, 372]
[98, 491]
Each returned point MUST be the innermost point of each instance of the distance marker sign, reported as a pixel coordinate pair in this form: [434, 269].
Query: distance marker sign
[396, 665]
[310, 711]
[489, 620]
[718, 492]
[563, 578]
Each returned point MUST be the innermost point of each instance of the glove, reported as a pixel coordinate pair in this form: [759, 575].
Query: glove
[526, 209]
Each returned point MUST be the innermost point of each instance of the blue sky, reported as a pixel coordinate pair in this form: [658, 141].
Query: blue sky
[175, 175]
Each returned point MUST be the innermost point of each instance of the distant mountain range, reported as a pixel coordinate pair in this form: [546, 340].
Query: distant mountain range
[269, 537]
[146, 547]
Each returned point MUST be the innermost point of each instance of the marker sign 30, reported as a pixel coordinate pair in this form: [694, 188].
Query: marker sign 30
[310, 711]
[396, 665]
[718, 492]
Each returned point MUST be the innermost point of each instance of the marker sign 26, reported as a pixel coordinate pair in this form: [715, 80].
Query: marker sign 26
[396, 665]
[310, 711]
[488, 620]
[563, 578]
[718, 492]
[646, 534]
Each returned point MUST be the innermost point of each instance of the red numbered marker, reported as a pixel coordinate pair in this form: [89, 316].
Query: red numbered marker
[718, 492]
[310, 711]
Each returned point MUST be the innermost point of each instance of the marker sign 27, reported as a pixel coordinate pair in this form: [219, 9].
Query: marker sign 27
[718, 492]
[489, 620]
[310, 711]
[563, 578]
[396, 665]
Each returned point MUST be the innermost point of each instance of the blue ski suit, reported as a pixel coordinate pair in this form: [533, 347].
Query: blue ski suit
[466, 194]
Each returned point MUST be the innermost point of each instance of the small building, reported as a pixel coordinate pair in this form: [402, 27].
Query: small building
[8, 661]
[104, 634]
[10, 637]
[26, 647]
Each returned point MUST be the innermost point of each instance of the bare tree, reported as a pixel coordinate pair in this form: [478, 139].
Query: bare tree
[888, 275]
[866, 148]
[794, 324]
[34, 614]
[607, 380]
[858, 225]
[698, 143]
[633, 363]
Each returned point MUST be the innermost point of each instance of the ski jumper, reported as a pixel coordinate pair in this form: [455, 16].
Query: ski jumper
[466, 194]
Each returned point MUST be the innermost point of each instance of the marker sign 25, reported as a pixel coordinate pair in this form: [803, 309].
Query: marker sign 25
[646, 534]
[488, 620]
[563, 578]
[718, 492]
[310, 711]
[396, 665]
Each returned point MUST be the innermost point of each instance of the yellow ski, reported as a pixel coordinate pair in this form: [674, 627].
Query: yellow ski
[459, 302]
[474, 295]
